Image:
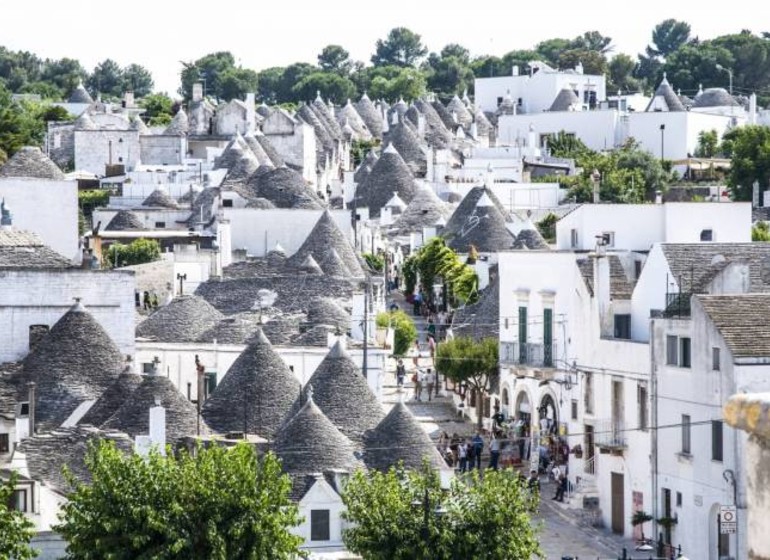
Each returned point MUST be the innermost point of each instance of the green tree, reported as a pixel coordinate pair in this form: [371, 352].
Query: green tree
[594, 62]
[694, 64]
[485, 518]
[749, 149]
[402, 47]
[217, 503]
[15, 529]
[551, 49]
[448, 75]
[488, 66]
[139, 251]
[331, 86]
[469, 361]
[65, 74]
[138, 79]
[708, 144]
[621, 70]
[269, 84]
[158, 108]
[222, 79]
[22, 123]
[668, 36]
[333, 58]
[405, 333]
[435, 260]
[760, 232]
[235, 83]
[593, 41]
[107, 79]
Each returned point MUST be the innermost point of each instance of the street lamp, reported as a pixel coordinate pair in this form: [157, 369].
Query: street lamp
[439, 512]
[662, 142]
[181, 277]
[729, 72]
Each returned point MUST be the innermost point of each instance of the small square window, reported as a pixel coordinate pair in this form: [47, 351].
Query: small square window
[227, 203]
[623, 326]
[574, 409]
[148, 367]
[608, 238]
[707, 235]
[18, 501]
[672, 350]
[160, 225]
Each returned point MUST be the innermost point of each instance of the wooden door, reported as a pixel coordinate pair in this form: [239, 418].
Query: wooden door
[618, 504]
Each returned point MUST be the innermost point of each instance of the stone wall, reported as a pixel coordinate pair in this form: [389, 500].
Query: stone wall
[60, 142]
[92, 149]
[162, 150]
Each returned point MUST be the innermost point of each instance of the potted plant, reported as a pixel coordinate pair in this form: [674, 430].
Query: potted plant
[667, 522]
[640, 518]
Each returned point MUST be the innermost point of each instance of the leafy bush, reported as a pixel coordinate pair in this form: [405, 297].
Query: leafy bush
[405, 331]
[375, 262]
[137, 252]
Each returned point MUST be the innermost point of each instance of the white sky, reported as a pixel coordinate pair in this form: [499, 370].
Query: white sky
[261, 34]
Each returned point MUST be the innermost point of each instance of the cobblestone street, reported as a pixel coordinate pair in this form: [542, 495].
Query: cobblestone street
[565, 533]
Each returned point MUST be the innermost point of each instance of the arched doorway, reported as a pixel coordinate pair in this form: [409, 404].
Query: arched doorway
[548, 416]
[522, 427]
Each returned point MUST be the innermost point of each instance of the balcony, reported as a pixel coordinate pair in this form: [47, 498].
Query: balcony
[610, 435]
[528, 354]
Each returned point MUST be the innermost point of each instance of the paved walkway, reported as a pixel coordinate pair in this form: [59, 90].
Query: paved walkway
[564, 533]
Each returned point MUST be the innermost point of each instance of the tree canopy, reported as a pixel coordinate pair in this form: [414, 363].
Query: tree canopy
[406, 515]
[749, 150]
[15, 529]
[218, 503]
[402, 47]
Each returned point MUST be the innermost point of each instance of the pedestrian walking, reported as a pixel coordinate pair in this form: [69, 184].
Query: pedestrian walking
[478, 447]
[400, 374]
[470, 450]
[533, 481]
[494, 452]
[417, 380]
[415, 353]
[430, 382]
[462, 455]
[561, 487]
[423, 383]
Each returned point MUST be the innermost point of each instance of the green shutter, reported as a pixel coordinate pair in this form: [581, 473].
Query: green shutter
[522, 335]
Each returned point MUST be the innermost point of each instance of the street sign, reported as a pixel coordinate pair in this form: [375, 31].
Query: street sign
[728, 520]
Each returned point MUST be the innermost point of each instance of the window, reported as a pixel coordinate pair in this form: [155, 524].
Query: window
[678, 499]
[548, 337]
[641, 399]
[22, 409]
[716, 440]
[672, 350]
[574, 409]
[686, 435]
[623, 326]
[637, 269]
[608, 237]
[4, 443]
[148, 367]
[227, 203]
[18, 501]
[499, 101]
[574, 238]
[707, 235]
[589, 394]
[684, 352]
[319, 525]
[160, 225]
[715, 359]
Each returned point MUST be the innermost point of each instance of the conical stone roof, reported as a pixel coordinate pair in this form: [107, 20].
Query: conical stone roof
[390, 174]
[325, 236]
[84, 122]
[444, 115]
[665, 96]
[530, 238]
[436, 133]
[179, 125]
[715, 97]
[256, 395]
[30, 162]
[400, 438]
[310, 443]
[184, 319]
[326, 311]
[159, 198]
[348, 115]
[259, 152]
[464, 117]
[231, 154]
[332, 265]
[112, 399]
[138, 125]
[326, 117]
[231, 330]
[425, 210]
[407, 144]
[461, 217]
[241, 171]
[325, 142]
[133, 417]
[343, 395]
[310, 266]
[75, 362]
[80, 95]
[485, 229]
[565, 101]
[483, 126]
[370, 115]
[471, 320]
[124, 220]
[365, 168]
[285, 188]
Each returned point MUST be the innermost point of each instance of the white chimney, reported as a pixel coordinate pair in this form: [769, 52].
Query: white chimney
[394, 118]
[197, 91]
[128, 99]
[251, 113]
[515, 70]
[602, 289]
[658, 197]
[158, 428]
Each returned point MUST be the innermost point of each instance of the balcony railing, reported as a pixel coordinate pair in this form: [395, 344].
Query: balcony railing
[677, 304]
[528, 354]
[610, 434]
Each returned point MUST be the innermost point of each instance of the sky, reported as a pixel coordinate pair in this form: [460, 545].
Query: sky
[159, 34]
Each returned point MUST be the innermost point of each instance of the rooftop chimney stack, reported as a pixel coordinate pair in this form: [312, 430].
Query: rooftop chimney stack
[515, 70]
[197, 92]
[31, 397]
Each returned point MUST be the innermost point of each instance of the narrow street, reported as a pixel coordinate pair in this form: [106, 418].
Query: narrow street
[564, 533]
